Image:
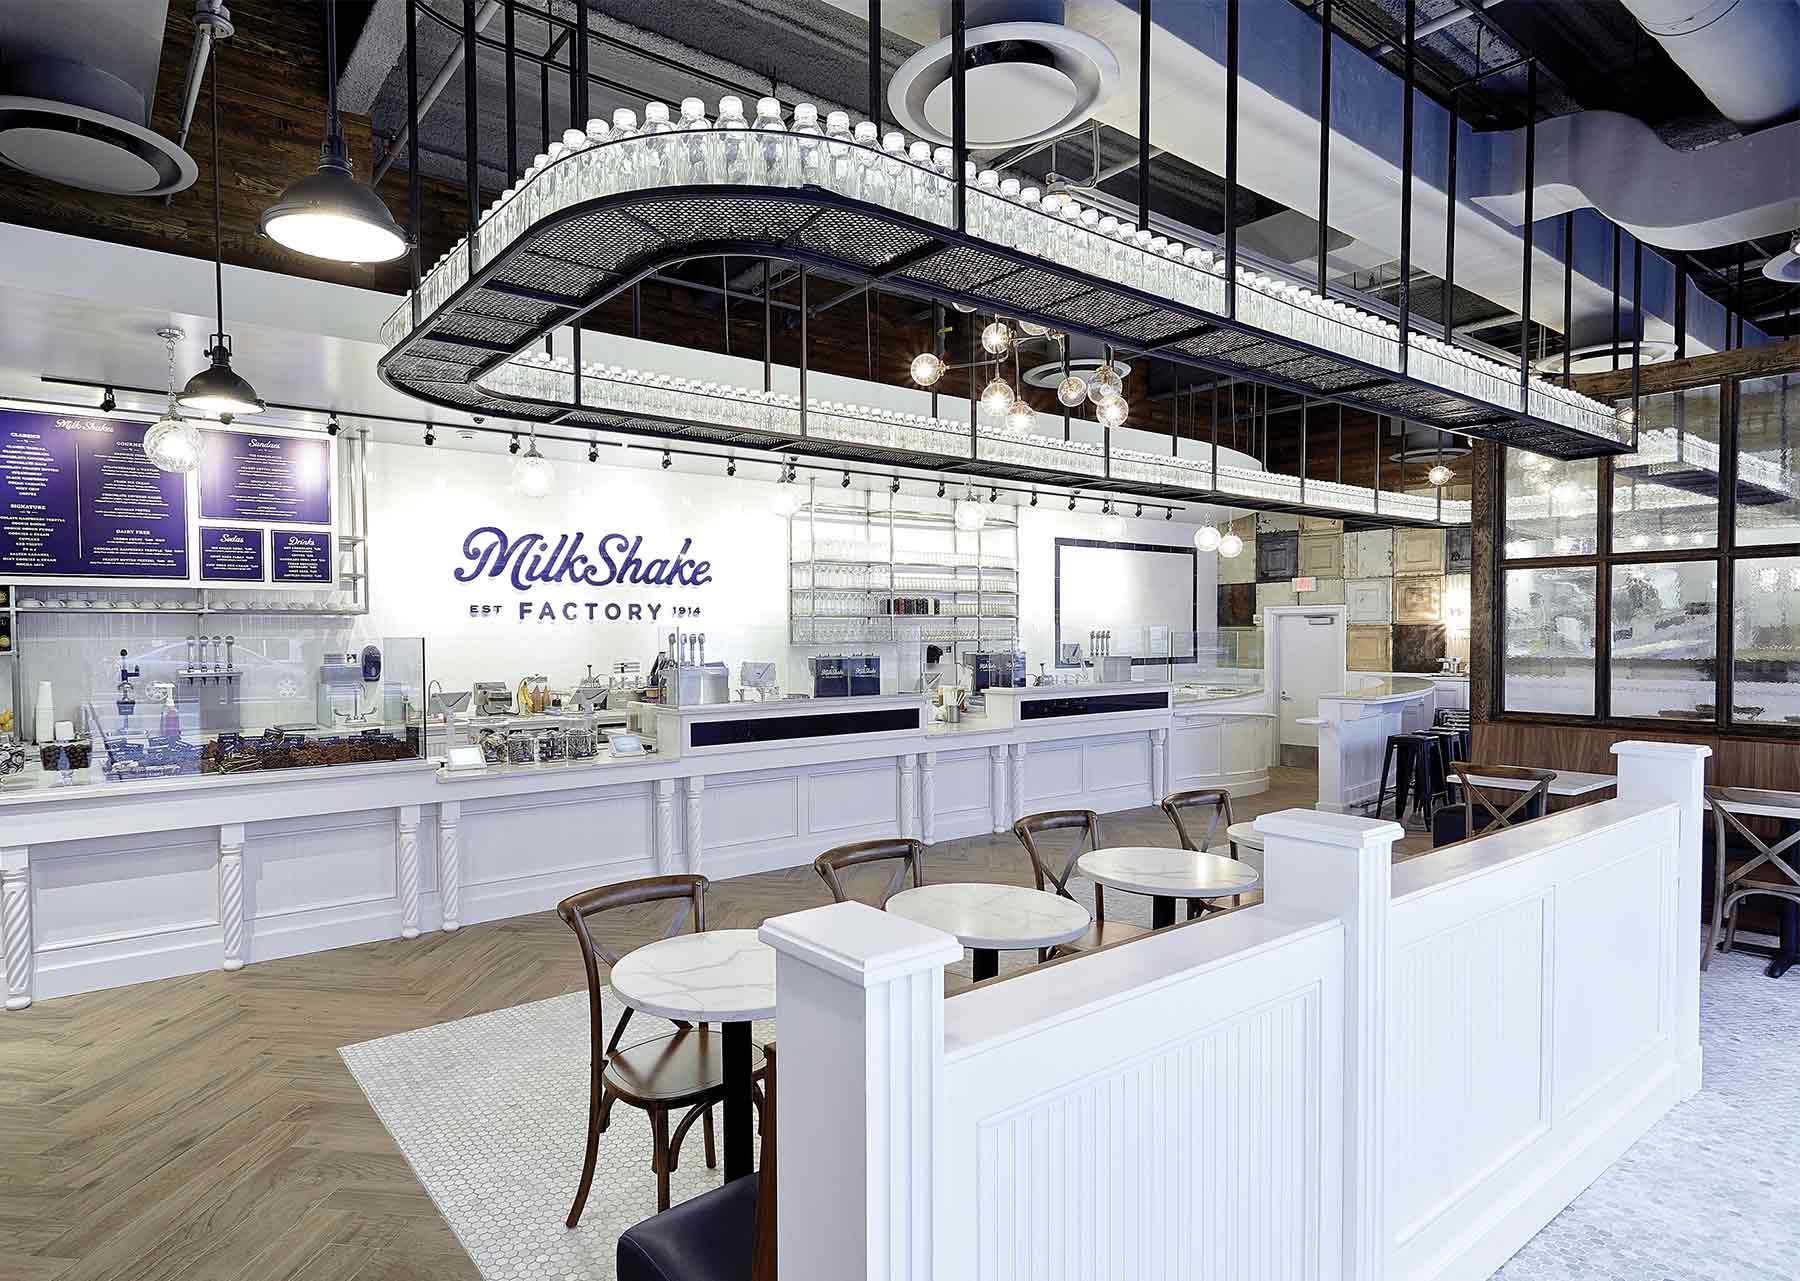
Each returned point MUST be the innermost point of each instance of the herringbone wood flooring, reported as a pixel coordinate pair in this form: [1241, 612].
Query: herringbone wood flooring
[204, 1128]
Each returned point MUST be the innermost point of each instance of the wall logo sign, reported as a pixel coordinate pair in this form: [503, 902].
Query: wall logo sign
[532, 560]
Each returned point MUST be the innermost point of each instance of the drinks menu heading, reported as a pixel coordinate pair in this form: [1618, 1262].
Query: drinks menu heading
[78, 497]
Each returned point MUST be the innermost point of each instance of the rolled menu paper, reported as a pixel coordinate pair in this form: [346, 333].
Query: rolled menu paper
[44, 714]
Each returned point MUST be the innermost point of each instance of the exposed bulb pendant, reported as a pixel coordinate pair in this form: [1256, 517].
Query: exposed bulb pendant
[1230, 546]
[173, 443]
[1207, 538]
[971, 516]
[927, 368]
[533, 475]
[1105, 384]
[1112, 411]
[219, 391]
[1439, 475]
[1021, 417]
[997, 397]
[330, 214]
[996, 338]
[786, 501]
[1071, 391]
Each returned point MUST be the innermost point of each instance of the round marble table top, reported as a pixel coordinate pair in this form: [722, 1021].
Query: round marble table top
[1152, 869]
[716, 976]
[1244, 834]
[994, 916]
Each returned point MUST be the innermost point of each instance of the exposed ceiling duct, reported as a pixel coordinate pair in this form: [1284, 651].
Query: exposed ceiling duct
[1744, 55]
[77, 85]
[1028, 76]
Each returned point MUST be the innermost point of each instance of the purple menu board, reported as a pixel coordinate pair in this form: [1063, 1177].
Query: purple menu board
[231, 555]
[300, 557]
[79, 498]
[256, 476]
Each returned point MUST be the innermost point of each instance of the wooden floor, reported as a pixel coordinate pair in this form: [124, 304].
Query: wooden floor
[204, 1128]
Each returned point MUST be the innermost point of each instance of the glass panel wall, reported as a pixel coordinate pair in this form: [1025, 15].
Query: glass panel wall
[1666, 495]
[1765, 641]
[1665, 640]
[1552, 506]
[1548, 639]
[1768, 474]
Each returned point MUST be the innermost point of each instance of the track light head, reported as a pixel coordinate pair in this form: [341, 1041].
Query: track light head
[429, 438]
[894, 485]
[666, 460]
[107, 402]
[845, 482]
[1034, 498]
[993, 493]
[940, 487]
[331, 426]
[513, 448]
[731, 466]
[593, 453]
[1168, 513]
[1071, 502]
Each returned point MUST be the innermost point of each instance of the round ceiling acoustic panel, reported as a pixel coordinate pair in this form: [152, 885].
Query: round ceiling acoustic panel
[1598, 358]
[81, 147]
[1026, 81]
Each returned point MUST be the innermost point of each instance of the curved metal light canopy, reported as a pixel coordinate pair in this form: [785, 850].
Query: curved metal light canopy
[588, 221]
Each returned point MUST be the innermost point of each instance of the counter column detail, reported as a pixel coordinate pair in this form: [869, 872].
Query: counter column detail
[449, 849]
[665, 827]
[997, 787]
[696, 787]
[407, 850]
[15, 924]
[1015, 790]
[927, 796]
[231, 895]
[1159, 757]
[908, 763]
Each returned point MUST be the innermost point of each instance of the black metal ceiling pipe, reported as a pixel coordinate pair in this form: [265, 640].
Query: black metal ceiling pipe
[1449, 307]
[1406, 185]
[1322, 286]
[471, 142]
[1231, 156]
[1637, 312]
[413, 193]
[1568, 295]
[875, 62]
[1143, 149]
[959, 107]
[1530, 215]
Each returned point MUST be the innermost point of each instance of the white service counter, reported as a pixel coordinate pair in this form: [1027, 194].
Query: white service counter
[108, 884]
[1353, 731]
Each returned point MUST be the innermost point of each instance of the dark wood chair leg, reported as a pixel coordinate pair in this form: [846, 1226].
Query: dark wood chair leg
[606, 1107]
[659, 1133]
[596, 1123]
[706, 1132]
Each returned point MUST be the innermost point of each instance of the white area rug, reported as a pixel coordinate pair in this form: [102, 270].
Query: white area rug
[491, 1112]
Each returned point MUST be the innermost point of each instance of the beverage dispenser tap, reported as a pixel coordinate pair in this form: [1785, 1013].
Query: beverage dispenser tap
[230, 666]
[193, 652]
[700, 649]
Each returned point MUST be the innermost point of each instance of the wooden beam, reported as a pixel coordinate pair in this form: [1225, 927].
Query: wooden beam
[1696, 371]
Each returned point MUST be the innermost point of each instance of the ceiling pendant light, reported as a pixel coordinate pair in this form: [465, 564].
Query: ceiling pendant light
[330, 214]
[1112, 525]
[533, 475]
[172, 442]
[1439, 475]
[997, 397]
[1112, 411]
[971, 517]
[219, 391]
[996, 338]
[786, 501]
[1206, 538]
[1072, 390]
[927, 368]
[1105, 384]
[1021, 417]
[1230, 546]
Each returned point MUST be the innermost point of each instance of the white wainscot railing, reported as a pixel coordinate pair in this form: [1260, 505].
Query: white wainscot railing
[1382, 1073]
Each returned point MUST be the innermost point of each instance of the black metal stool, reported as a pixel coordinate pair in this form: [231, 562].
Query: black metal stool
[1418, 764]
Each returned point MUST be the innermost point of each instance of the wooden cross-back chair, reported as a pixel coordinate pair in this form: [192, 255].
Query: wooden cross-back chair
[907, 854]
[1216, 801]
[1086, 825]
[684, 1069]
[1527, 803]
[1731, 889]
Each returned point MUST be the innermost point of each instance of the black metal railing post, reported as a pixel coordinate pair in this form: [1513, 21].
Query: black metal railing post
[471, 138]
[1231, 155]
[1530, 208]
[1406, 184]
[959, 108]
[1324, 142]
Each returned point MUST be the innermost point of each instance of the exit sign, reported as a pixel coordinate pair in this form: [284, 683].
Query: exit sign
[1306, 584]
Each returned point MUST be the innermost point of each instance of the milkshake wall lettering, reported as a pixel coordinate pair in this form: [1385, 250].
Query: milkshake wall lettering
[532, 560]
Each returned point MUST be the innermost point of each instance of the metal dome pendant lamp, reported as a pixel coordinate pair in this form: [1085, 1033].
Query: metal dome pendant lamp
[330, 214]
[219, 391]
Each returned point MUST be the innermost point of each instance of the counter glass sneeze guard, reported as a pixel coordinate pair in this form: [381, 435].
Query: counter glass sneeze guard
[151, 698]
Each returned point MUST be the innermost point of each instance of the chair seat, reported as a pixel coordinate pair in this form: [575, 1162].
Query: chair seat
[682, 1067]
[1104, 934]
[705, 1238]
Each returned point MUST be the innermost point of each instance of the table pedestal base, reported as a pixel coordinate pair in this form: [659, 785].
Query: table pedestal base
[987, 963]
[738, 1146]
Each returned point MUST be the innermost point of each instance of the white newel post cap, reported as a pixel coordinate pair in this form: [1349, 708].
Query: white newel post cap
[1664, 751]
[859, 944]
[1321, 827]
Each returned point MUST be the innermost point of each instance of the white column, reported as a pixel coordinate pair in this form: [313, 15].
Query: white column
[696, 787]
[1656, 774]
[449, 850]
[665, 827]
[15, 924]
[1159, 762]
[908, 762]
[231, 895]
[1320, 864]
[1015, 784]
[861, 994]
[406, 852]
[928, 797]
[997, 788]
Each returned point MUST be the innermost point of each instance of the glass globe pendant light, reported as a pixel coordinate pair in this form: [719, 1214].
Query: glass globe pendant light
[1230, 546]
[1207, 538]
[172, 442]
[1439, 475]
[330, 214]
[1071, 391]
[1105, 384]
[787, 499]
[997, 397]
[533, 475]
[927, 368]
[1112, 411]
[218, 390]
[1112, 525]
[971, 516]
[996, 338]
[1021, 417]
